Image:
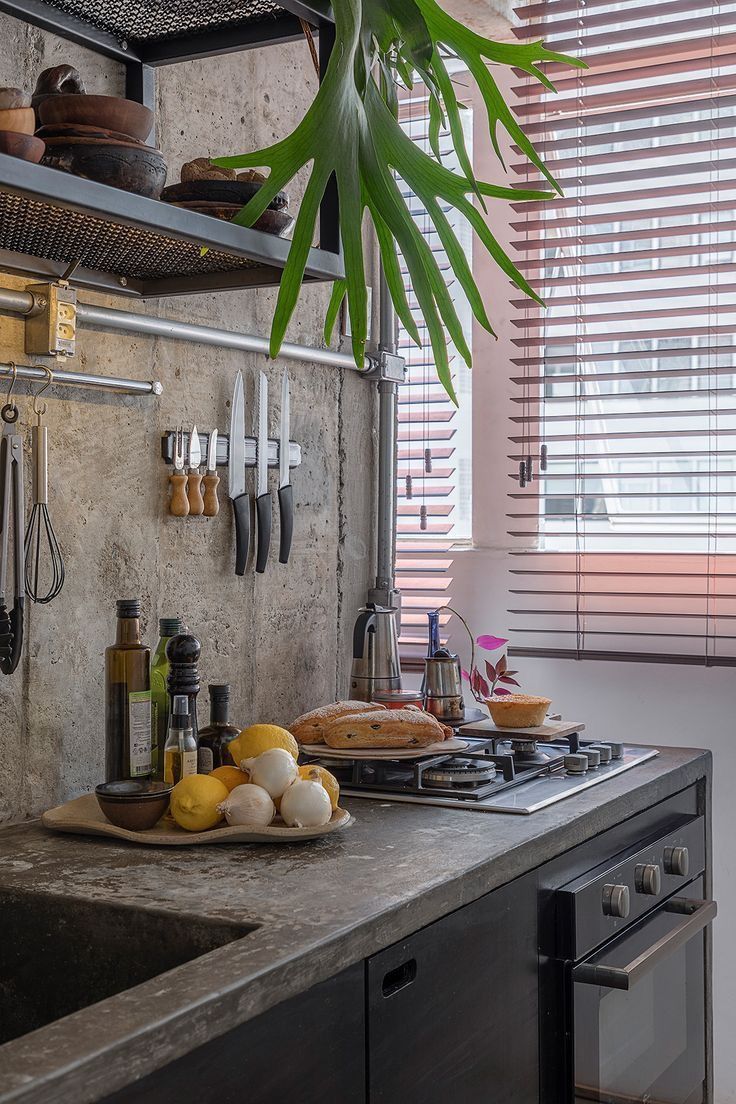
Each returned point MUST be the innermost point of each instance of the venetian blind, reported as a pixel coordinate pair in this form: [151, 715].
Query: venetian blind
[623, 442]
[433, 475]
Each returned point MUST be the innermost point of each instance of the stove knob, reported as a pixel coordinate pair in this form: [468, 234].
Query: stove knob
[604, 750]
[576, 764]
[593, 757]
[677, 861]
[616, 901]
[648, 879]
[617, 751]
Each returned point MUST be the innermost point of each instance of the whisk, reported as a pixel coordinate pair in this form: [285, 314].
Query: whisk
[40, 533]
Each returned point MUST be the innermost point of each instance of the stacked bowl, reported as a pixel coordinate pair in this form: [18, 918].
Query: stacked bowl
[102, 138]
[17, 126]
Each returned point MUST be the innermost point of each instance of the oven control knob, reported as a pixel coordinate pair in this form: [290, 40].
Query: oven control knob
[616, 901]
[677, 861]
[576, 764]
[648, 879]
[617, 751]
[594, 757]
[604, 750]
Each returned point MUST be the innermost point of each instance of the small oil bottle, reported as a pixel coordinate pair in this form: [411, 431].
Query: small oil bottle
[180, 752]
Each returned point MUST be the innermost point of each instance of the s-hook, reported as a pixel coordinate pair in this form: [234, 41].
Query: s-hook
[11, 495]
[40, 530]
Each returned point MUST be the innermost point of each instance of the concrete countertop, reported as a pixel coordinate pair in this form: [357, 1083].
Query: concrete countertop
[319, 907]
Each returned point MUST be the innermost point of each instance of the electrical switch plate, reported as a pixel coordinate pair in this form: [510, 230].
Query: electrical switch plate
[51, 330]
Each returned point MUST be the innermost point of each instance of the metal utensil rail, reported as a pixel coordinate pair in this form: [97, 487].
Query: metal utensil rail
[84, 379]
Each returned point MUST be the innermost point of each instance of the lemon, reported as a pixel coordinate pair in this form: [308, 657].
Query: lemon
[194, 802]
[256, 739]
[231, 776]
[313, 773]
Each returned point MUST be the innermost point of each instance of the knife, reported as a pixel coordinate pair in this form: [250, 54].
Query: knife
[194, 479]
[263, 498]
[236, 474]
[286, 498]
[211, 479]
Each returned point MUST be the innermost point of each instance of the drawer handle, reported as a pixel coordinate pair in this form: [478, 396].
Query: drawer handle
[399, 977]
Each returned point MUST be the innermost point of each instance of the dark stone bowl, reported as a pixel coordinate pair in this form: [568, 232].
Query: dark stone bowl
[135, 805]
[133, 168]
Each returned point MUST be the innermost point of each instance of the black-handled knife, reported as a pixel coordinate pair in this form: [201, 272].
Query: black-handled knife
[263, 498]
[286, 497]
[236, 477]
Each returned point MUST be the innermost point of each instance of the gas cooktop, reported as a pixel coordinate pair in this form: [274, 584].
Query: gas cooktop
[496, 775]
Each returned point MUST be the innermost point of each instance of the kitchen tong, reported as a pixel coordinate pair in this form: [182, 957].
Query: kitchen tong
[11, 518]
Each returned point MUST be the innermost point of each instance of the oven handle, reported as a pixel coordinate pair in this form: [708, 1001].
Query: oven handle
[699, 914]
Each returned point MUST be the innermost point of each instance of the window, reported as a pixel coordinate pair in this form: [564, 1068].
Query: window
[623, 509]
[434, 469]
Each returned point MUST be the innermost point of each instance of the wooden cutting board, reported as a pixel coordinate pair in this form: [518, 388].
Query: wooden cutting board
[442, 747]
[84, 817]
[552, 730]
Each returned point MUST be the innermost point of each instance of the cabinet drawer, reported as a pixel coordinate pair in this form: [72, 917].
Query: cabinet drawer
[452, 1010]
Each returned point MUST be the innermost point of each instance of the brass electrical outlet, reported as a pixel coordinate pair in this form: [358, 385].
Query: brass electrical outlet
[52, 328]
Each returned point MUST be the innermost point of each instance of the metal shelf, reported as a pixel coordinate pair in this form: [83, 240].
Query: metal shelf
[131, 245]
[170, 30]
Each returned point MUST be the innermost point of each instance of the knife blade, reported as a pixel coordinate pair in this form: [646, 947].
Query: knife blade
[211, 478]
[286, 499]
[263, 498]
[236, 476]
[194, 479]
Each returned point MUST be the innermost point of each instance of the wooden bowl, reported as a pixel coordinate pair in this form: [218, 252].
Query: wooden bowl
[107, 112]
[220, 191]
[20, 120]
[138, 169]
[271, 222]
[78, 130]
[135, 805]
[23, 146]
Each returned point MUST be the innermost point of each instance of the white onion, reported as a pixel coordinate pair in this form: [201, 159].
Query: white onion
[274, 770]
[248, 804]
[306, 805]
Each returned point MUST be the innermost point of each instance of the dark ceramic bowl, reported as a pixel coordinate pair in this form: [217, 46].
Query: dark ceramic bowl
[132, 168]
[134, 805]
[108, 112]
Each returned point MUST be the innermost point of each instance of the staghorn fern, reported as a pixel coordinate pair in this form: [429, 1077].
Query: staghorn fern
[351, 130]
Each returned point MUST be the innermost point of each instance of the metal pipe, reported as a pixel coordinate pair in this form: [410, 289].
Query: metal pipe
[387, 445]
[85, 379]
[106, 318]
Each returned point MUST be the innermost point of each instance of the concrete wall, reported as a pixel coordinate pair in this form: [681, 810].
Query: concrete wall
[281, 639]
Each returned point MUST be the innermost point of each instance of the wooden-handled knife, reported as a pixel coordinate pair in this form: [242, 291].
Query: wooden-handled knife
[236, 480]
[263, 498]
[286, 498]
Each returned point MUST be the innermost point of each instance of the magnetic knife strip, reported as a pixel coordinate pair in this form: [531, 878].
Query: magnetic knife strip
[223, 449]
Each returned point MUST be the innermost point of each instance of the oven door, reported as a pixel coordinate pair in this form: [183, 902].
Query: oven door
[639, 1010]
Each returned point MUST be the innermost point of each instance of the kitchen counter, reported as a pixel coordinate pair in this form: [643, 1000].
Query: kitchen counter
[318, 907]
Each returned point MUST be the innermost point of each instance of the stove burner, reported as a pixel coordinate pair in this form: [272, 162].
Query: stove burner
[459, 772]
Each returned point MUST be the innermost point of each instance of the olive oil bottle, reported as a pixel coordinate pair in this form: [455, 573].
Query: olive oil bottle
[213, 739]
[167, 628]
[127, 698]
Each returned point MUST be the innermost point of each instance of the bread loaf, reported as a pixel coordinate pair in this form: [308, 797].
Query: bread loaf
[310, 727]
[396, 728]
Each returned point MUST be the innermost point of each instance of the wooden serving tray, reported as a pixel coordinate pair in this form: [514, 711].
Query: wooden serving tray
[84, 817]
[552, 730]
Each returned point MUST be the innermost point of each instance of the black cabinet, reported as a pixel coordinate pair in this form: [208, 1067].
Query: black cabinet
[309, 1050]
[453, 1010]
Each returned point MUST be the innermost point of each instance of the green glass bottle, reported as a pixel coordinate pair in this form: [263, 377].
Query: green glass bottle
[167, 627]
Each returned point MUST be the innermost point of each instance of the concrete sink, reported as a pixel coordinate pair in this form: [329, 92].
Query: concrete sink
[59, 955]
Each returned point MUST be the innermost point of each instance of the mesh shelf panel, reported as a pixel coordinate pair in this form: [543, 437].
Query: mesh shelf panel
[59, 235]
[154, 20]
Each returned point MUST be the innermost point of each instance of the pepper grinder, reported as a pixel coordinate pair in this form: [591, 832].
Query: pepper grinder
[183, 652]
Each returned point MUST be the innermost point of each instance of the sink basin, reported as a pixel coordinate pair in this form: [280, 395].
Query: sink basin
[58, 955]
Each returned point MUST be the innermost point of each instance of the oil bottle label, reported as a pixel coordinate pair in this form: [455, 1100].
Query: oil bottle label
[206, 760]
[188, 763]
[139, 727]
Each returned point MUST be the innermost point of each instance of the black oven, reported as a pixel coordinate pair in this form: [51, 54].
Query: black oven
[630, 975]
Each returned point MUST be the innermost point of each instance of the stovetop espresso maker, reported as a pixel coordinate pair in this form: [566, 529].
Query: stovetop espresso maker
[375, 652]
